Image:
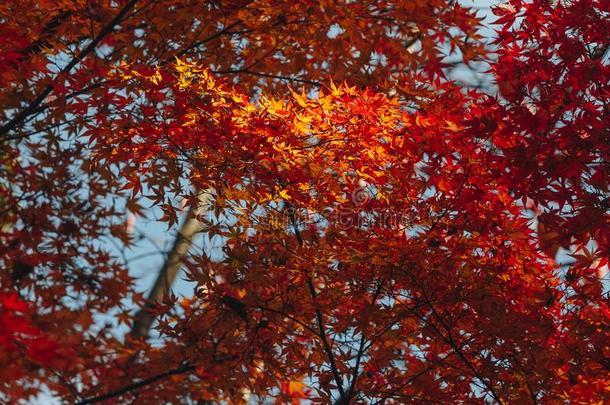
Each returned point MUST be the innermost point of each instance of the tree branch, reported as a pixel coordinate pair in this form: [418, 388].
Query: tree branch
[269, 75]
[135, 386]
[448, 338]
[362, 348]
[31, 108]
[319, 317]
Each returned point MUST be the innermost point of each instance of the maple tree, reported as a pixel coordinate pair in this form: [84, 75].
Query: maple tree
[377, 245]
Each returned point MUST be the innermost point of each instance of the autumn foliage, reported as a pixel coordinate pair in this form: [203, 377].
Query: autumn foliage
[388, 235]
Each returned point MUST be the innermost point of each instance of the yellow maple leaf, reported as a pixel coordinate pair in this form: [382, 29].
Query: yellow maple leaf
[452, 126]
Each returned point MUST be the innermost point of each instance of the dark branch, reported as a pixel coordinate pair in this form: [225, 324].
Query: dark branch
[271, 76]
[135, 386]
[319, 317]
[32, 106]
[48, 31]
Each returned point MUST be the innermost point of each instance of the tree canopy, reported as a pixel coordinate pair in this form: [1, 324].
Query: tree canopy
[388, 234]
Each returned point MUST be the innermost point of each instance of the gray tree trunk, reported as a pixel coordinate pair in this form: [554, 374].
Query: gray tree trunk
[169, 271]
